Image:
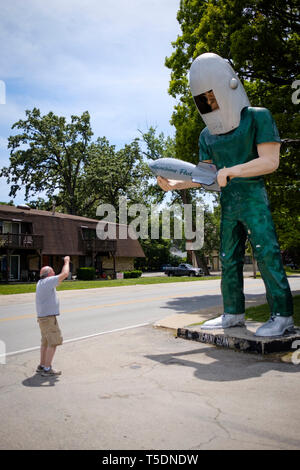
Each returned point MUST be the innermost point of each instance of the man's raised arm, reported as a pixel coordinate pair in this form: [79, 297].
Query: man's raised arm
[65, 270]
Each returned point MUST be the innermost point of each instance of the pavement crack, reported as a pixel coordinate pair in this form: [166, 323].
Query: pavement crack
[204, 443]
[216, 409]
[217, 417]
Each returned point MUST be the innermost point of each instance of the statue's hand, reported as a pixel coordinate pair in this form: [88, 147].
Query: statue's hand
[223, 177]
[168, 185]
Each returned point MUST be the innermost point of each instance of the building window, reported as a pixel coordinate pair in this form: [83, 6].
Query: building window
[88, 234]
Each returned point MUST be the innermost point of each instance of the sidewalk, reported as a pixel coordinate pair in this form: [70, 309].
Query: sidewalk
[145, 389]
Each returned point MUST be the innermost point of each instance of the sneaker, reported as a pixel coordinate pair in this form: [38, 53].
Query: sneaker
[39, 369]
[50, 372]
[227, 320]
[276, 326]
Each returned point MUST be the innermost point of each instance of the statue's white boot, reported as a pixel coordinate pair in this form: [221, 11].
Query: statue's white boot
[276, 326]
[227, 320]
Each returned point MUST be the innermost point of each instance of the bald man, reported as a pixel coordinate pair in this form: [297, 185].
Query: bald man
[47, 307]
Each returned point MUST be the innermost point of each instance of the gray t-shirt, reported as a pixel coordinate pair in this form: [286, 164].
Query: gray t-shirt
[46, 300]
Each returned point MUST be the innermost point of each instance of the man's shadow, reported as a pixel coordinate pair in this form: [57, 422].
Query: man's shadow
[228, 365]
[37, 380]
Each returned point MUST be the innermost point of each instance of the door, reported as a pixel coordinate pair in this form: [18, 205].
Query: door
[15, 230]
[14, 270]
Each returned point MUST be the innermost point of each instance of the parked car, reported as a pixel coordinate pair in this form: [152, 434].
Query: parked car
[292, 266]
[184, 269]
[165, 266]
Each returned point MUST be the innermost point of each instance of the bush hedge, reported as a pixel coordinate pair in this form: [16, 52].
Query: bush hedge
[130, 274]
[86, 274]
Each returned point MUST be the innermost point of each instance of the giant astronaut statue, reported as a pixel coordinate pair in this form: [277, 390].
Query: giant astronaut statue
[244, 144]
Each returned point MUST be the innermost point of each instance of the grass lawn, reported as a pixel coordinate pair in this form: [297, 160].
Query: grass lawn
[288, 273]
[6, 289]
[261, 313]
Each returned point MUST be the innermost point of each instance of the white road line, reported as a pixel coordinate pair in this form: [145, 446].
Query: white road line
[77, 339]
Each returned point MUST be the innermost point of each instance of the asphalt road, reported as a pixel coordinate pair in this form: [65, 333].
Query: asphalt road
[97, 311]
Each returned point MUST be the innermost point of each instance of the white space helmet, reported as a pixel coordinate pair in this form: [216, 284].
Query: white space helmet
[210, 72]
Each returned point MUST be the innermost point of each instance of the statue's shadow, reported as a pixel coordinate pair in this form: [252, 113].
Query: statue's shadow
[227, 365]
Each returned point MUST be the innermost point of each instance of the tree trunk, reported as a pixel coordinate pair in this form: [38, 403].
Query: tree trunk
[195, 258]
[201, 261]
[254, 266]
[186, 199]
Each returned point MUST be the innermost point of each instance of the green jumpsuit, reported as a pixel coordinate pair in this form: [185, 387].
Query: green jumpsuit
[246, 213]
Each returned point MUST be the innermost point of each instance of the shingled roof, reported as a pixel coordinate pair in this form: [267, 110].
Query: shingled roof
[61, 231]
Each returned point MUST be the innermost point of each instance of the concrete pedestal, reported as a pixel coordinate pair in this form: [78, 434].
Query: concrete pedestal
[242, 338]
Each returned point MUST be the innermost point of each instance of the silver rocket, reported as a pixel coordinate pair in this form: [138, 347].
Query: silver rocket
[174, 169]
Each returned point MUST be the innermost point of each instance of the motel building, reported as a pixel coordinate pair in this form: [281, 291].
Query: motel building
[30, 239]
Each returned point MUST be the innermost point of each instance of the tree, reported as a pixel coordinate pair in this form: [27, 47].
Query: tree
[211, 230]
[10, 203]
[158, 146]
[157, 253]
[52, 159]
[58, 158]
[261, 39]
[43, 205]
[110, 174]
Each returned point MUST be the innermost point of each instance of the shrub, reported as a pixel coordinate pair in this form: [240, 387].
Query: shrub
[86, 274]
[131, 274]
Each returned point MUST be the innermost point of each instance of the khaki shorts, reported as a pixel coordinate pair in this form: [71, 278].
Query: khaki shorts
[51, 334]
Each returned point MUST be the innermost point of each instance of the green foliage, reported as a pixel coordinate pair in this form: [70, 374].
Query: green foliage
[132, 274]
[260, 37]
[211, 230]
[110, 174]
[157, 253]
[10, 203]
[41, 204]
[58, 158]
[155, 146]
[47, 155]
[86, 274]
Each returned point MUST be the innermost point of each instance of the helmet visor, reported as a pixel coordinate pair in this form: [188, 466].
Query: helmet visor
[206, 102]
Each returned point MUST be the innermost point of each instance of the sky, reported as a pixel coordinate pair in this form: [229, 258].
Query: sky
[69, 56]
